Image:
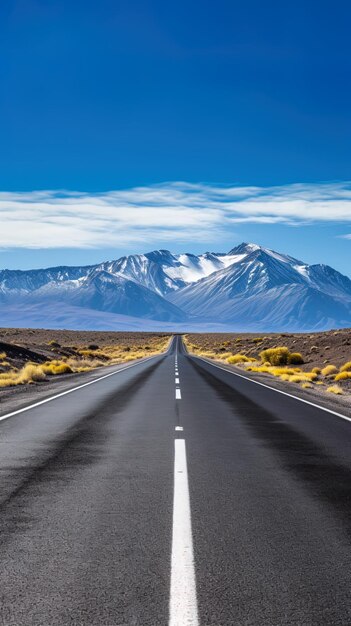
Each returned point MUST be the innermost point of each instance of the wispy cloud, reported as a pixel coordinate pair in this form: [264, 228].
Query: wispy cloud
[167, 212]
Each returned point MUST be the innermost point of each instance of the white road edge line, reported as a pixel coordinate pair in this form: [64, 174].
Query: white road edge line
[178, 395]
[183, 602]
[64, 393]
[284, 393]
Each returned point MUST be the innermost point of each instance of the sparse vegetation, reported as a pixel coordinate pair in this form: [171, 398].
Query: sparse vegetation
[56, 367]
[68, 359]
[346, 367]
[239, 358]
[335, 389]
[30, 373]
[300, 360]
[304, 376]
[93, 354]
[295, 358]
[275, 356]
[329, 370]
[281, 356]
[342, 376]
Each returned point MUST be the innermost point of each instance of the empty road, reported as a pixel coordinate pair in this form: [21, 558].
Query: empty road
[173, 492]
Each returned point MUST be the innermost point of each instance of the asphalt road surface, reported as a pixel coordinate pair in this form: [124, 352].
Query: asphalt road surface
[175, 493]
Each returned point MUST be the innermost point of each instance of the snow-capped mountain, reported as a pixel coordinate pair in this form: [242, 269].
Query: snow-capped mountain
[266, 290]
[114, 293]
[250, 288]
[160, 270]
[165, 272]
[22, 282]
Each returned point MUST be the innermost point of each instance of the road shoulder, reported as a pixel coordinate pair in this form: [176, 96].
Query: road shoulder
[21, 396]
[338, 404]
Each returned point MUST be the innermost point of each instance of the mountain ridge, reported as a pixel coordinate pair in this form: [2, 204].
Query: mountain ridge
[250, 286]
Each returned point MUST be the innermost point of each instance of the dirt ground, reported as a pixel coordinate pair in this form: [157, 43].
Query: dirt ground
[317, 349]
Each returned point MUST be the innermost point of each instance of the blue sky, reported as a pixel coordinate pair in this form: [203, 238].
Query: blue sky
[108, 96]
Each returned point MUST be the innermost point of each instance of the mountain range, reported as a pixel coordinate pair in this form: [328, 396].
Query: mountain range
[249, 288]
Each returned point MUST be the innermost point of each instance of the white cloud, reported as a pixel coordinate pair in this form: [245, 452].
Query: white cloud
[170, 211]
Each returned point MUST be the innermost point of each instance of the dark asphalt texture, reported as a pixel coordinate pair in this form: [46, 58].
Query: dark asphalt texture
[86, 497]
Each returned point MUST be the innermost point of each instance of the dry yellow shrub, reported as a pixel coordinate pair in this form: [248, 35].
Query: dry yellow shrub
[239, 358]
[56, 367]
[346, 367]
[329, 370]
[275, 356]
[335, 389]
[342, 376]
[295, 358]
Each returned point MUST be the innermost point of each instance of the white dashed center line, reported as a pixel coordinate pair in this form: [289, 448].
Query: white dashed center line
[178, 394]
[183, 601]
